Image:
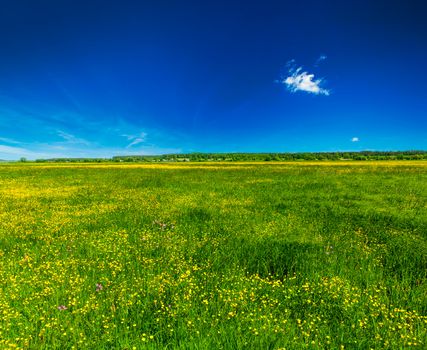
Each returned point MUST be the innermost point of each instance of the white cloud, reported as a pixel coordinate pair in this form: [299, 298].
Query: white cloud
[355, 139]
[300, 80]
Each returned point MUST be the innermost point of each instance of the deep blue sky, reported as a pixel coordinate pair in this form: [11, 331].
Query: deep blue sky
[100, 78]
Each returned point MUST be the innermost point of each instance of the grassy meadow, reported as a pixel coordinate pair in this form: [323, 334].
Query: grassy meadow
[327, 255]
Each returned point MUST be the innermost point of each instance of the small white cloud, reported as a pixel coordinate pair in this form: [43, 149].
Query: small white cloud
[299, 80]
[355, 139]
[303, 81]
[135, 139]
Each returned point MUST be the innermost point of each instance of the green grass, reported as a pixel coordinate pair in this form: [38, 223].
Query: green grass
[210, 256]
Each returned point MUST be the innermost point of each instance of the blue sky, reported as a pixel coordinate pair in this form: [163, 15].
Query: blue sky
[103, 78]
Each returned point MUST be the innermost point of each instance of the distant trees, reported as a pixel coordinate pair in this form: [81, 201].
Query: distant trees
[252, 157]
[242, 157]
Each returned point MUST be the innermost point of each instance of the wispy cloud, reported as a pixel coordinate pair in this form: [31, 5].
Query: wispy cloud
[49, 131]
[355, 139]
[10, 150]
[71, 139]
[135, 139]
[9, 141]
[46, 151]
[320, 59]
[13, 152]
[300, 80]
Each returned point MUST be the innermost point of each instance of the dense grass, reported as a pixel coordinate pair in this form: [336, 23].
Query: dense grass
[210, 256]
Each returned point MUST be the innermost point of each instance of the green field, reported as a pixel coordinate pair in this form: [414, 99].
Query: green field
[214, 256]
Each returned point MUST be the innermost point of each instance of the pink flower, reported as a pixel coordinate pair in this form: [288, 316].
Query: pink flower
[99, 287]
[62, 307]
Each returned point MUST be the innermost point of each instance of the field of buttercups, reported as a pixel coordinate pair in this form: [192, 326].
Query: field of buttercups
[214, 256]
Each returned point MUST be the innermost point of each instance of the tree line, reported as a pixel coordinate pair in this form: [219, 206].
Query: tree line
[253, 157]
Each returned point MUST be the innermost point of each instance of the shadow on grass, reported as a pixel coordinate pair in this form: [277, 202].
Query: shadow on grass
[274, 257]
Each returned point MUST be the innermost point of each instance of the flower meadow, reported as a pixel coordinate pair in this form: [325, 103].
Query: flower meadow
[327, 255]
